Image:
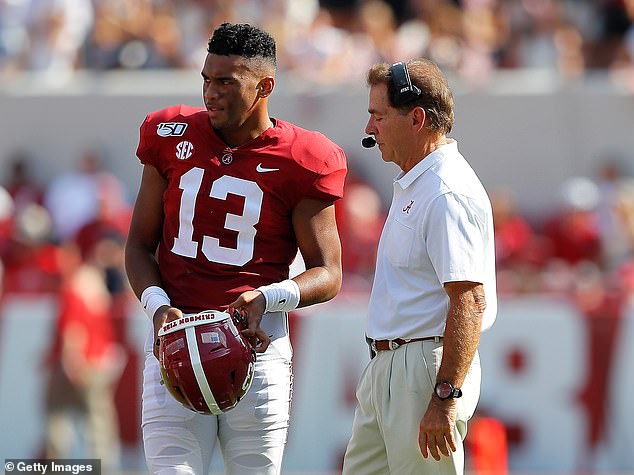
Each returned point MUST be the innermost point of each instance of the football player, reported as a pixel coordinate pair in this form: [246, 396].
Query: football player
[227, 197]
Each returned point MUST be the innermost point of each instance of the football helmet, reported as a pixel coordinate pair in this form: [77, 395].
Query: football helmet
[206, 363]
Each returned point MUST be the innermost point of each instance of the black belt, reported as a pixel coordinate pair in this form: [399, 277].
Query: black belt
[385, 345]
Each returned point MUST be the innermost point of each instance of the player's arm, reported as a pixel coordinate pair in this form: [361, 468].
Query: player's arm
[140, 251]
[318, 240]
[460, 342]
[145, 231]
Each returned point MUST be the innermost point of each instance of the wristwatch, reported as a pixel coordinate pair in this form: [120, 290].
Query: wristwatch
[445, 390]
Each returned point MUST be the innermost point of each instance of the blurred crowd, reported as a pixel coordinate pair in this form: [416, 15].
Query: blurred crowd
[582, 249]
[324, 41]
[65, 241]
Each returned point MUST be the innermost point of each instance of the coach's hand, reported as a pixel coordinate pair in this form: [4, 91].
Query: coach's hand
[251, 304]
[162, 316]
[437, 427]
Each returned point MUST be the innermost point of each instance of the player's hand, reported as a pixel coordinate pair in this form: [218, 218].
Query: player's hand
[436, 431]
[251, 304]
[162, 316]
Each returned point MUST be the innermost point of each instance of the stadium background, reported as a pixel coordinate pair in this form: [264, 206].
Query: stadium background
[544, 113]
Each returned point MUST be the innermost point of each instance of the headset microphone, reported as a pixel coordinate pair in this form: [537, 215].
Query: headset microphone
[368, 142]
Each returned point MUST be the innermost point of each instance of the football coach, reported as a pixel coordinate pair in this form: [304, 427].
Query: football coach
[434, 287]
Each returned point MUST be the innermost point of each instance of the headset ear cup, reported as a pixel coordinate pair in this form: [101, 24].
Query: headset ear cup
[403, 89]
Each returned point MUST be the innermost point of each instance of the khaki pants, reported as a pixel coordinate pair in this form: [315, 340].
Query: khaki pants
[393, 394]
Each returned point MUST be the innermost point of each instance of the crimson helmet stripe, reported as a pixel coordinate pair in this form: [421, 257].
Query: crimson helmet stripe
[199, 373]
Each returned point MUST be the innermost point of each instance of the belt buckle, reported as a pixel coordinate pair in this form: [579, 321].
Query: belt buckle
[373, 346]
[393, 345]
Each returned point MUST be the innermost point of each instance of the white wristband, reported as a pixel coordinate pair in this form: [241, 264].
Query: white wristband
[152, 299]
[281, 296]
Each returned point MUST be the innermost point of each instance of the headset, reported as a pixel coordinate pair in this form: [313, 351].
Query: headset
[404, 91]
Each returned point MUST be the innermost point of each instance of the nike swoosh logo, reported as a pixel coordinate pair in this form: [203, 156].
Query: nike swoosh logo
[261, 169]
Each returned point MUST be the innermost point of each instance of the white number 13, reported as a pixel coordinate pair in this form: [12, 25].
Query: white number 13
[244, 224]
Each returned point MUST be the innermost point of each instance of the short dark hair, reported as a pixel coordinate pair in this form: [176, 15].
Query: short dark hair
[435, 98]
[244, 40]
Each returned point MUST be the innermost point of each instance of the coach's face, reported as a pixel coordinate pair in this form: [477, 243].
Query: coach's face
[391, 129]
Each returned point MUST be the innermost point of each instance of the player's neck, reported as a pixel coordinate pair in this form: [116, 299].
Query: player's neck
[249, 130]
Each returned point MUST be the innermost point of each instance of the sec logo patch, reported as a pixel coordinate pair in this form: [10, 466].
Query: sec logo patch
[184, 150]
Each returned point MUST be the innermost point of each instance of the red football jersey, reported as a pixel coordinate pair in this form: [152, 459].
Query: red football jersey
[228, 211]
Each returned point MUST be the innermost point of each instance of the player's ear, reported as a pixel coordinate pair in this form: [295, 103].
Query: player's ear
[265, 86]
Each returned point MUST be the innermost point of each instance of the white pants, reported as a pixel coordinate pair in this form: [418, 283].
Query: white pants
[393, 394]
[178, 441]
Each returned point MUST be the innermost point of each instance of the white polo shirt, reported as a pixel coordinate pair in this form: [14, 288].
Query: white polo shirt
[439, 229]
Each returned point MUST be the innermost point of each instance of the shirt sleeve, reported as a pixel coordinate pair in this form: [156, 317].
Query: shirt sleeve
[330, 182]
[454, 232]
[144, 151]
